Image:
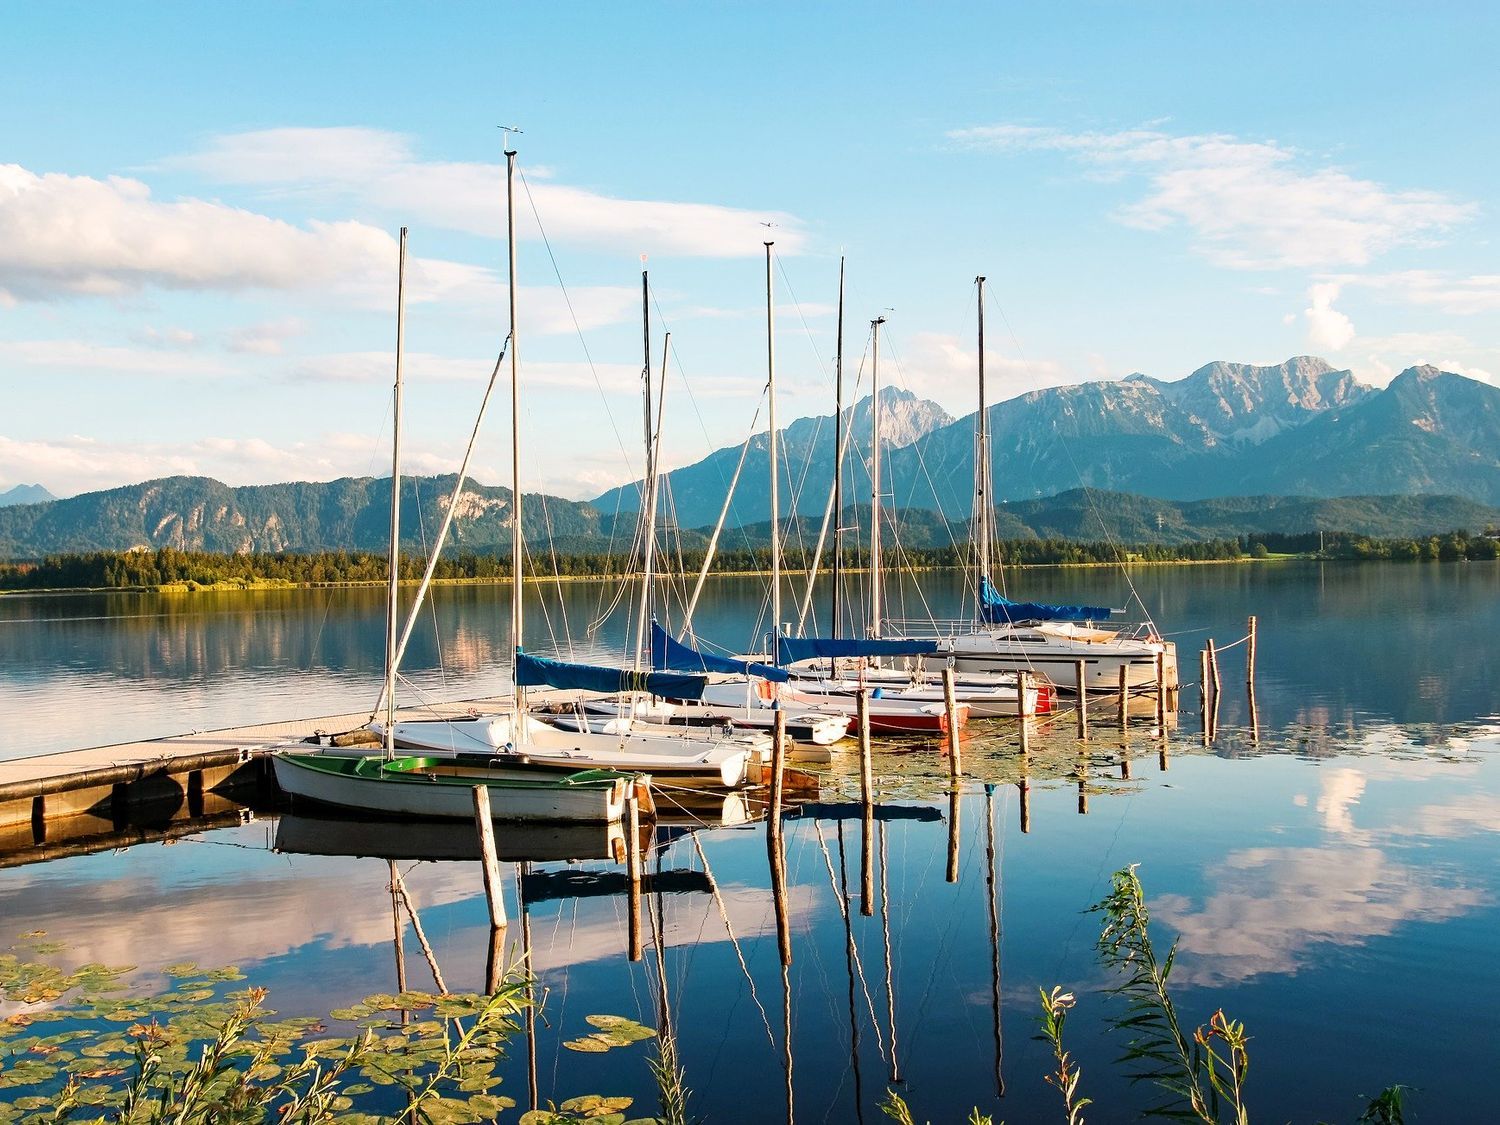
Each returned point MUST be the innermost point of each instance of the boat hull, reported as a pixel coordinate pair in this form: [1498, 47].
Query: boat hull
[424, 787]
[685, 756]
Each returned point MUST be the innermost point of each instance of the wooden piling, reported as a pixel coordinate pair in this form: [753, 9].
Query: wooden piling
[867, 809]
[1080, 668]
[950, 709]
[1213, 668]
[1023, 683]
[494, 892]
[633, 870]
[1161, 693]
[774, 850]
[1124, 705]
[1204, 688]
[953, 834]
[1250, 656]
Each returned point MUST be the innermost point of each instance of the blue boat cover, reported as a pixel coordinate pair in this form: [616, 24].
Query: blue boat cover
[995, 608]
[667, 653]
[538, 671]
[789, 649]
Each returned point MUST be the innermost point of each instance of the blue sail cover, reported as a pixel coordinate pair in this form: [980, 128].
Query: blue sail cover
[789, 649]
[996, 608]
[538, 671]
[667, 653]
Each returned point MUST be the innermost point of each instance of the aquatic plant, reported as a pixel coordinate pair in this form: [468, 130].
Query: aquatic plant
[203, 1053]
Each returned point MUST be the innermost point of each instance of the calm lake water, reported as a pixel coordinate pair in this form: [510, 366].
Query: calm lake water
[1334, 885]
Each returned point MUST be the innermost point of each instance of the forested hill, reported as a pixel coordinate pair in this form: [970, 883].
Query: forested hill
[352, 515]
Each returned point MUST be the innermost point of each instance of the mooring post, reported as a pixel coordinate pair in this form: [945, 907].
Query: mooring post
[953, 834]
[633, 869]
[950, 709]
[1023, 683]
[1124, 705]
[1204, 687]
[494, 891]
[1161, 693]
[1250, 655]
[773, 841]
[1080, 669]
[867, 809]
[1213, 669]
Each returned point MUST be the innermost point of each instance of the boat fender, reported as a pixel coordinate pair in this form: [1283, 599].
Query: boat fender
[878, 693]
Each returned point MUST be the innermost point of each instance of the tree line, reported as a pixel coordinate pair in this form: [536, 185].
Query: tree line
[168, 566]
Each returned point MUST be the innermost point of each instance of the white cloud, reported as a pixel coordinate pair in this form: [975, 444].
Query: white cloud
[379, 168]
[66, 235]
[1273, 907]
[106, 359]
[1327, 328]
[1461, 296]
[265, 338]
[1248, 204]
[940, 367]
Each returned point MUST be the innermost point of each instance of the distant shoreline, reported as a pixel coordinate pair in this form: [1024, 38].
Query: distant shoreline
[264, 585]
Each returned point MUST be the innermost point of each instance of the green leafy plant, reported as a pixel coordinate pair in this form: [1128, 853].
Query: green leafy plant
[1067, 1073]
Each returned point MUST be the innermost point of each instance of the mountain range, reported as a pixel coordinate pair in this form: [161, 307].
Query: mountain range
[1298, 428]
[25, 494]
[1230, 449]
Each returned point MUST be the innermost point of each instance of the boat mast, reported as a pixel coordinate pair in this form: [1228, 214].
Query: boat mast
[648, 491]
[838, 456]
[775, 492]
[516, 620]
[395, 554]
[875, 608]
[982, 467]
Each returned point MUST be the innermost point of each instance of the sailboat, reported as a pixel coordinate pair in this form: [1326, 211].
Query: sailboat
[763, 687]
[519, 739]
[1052, 640]
[437, 786]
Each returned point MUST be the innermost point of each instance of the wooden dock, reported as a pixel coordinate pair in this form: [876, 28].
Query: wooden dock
[106, 788]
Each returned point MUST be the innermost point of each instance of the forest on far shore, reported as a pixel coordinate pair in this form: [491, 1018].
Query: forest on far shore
[146, 569]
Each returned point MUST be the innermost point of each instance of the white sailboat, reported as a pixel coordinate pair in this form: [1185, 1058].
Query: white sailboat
[430, 786]
[1048, 640]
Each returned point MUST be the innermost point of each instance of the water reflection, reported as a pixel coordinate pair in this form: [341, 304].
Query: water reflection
[1356, 869]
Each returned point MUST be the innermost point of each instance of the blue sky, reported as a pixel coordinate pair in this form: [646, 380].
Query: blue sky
[198, 208]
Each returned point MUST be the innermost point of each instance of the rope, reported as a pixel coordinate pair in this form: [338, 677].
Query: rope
[713, 885]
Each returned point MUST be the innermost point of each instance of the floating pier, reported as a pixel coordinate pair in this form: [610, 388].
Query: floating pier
[103, 789]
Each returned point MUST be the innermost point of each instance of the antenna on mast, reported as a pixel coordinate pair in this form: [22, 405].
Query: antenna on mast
[508, 130]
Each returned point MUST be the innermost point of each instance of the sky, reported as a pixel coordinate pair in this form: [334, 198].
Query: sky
[199, 207]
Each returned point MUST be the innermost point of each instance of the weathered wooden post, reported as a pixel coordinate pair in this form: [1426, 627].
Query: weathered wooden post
[1023, 683]
[633, 869]
[1204, 687]
[950, 710]
[773, 840]
[1124, 705]
[1250, 656]
[953, 834]
[867, 809]
[494, 891]
[1080, 669]
[1161, 693]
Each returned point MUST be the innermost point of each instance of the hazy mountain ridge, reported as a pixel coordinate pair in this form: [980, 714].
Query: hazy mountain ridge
[200, 514]
[25, 494]
[1226, 430]
[697, 491]
[350, 514]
